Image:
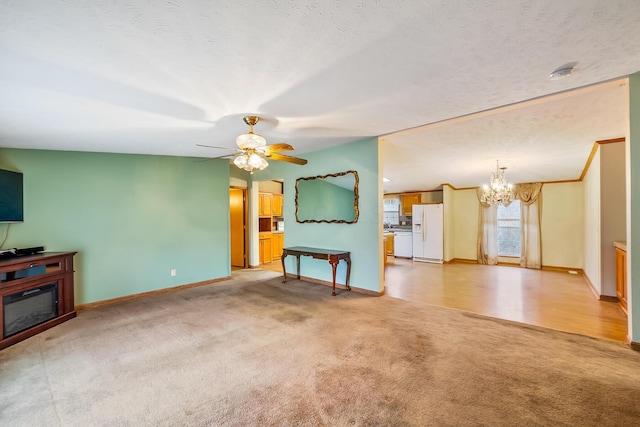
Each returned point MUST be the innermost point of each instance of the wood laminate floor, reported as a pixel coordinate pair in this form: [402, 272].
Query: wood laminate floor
[550, 299]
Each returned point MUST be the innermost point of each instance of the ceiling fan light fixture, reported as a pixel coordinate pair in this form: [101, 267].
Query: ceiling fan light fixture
[256, 161]
[253, 150]
[250, 161]
[240, 161]
[250, 140]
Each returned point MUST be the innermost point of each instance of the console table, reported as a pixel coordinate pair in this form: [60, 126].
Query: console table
[331, 255]
[36, 293]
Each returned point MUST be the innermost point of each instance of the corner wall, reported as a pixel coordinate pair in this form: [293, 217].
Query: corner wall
[363, 239]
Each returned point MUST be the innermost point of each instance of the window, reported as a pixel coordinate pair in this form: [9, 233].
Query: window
[509, 230]
[391, 210]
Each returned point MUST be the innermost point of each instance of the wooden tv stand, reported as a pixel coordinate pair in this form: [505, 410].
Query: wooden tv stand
[21, 274]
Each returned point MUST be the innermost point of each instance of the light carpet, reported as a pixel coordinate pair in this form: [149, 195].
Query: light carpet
[254, 351]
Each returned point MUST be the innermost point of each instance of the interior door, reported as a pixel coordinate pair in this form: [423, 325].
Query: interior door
[237, 214]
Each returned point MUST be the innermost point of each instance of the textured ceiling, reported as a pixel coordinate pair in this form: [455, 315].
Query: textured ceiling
[547, 139]
[159, 77]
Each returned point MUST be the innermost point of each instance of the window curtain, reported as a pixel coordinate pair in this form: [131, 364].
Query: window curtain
[487, 232]
[530, 196]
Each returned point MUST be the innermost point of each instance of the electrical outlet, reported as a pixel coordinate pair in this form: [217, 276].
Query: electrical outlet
[173, 272]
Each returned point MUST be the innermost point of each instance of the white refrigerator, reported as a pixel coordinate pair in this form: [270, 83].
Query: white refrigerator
[428, 233]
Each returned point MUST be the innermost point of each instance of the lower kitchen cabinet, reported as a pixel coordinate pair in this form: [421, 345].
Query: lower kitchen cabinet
[621, 278]
[277, 244]
[266, 248]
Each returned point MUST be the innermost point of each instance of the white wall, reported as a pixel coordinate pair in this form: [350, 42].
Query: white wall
[465, 217]
[563, 225]
[236, 182]
[613, 206]
[450, 224]
[591, 185]
[274, 187]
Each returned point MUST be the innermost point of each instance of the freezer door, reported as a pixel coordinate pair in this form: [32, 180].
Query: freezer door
[417, 218]
[418, 246]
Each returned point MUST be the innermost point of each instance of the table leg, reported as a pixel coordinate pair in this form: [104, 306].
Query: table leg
[334, 265]
[284, 270]
[348, 261]
[298, 264]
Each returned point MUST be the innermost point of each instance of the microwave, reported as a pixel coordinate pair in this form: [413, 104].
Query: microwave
[279, 225]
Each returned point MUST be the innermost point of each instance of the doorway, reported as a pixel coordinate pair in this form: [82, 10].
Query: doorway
[238, 226]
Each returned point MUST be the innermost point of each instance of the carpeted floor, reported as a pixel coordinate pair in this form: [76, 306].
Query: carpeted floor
[252, 351]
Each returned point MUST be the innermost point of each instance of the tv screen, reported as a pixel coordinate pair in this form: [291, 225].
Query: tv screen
[11, 204]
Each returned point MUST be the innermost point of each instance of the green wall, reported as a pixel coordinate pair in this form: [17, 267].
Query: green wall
[633, 210]
[362, 239]
[132, 218]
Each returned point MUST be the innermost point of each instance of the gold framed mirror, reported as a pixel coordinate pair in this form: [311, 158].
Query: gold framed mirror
[331, 198]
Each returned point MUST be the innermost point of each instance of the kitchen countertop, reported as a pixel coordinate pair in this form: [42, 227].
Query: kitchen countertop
[397, 229]
[621, 245]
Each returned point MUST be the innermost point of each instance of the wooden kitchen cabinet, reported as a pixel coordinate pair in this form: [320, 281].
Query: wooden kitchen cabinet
[277, 244]
[408, 200]
[265, 201]
[276, 204]
[621, 278]
[266, 251]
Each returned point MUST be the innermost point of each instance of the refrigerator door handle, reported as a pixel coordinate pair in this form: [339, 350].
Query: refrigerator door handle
[424, 225]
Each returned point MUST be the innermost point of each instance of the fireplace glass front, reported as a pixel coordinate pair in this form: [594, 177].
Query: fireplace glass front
[28, 308]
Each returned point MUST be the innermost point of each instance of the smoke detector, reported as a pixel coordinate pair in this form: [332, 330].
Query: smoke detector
[563, 72]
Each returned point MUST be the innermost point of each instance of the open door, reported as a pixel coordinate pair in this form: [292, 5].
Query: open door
[238, 224]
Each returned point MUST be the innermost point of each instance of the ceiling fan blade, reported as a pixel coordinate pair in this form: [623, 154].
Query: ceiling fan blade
[289, 159]
[222, 148]
[274, 148]
[213, 158]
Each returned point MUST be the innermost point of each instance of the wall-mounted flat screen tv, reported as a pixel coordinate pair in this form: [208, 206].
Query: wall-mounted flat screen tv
[11, 198]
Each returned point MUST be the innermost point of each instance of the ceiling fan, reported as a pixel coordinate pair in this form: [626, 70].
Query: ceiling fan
[253, 150]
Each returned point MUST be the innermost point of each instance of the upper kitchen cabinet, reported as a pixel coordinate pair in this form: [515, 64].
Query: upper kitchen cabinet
[265, 202]
[408, 200]
[276, 204]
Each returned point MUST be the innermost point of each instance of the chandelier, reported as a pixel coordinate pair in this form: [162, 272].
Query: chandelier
[499, 191]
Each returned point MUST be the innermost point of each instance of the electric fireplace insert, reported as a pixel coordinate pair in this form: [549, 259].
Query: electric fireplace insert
[26, 309]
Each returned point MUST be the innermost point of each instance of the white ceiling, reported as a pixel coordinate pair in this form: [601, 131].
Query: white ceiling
[547, 139]
[142, 76]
